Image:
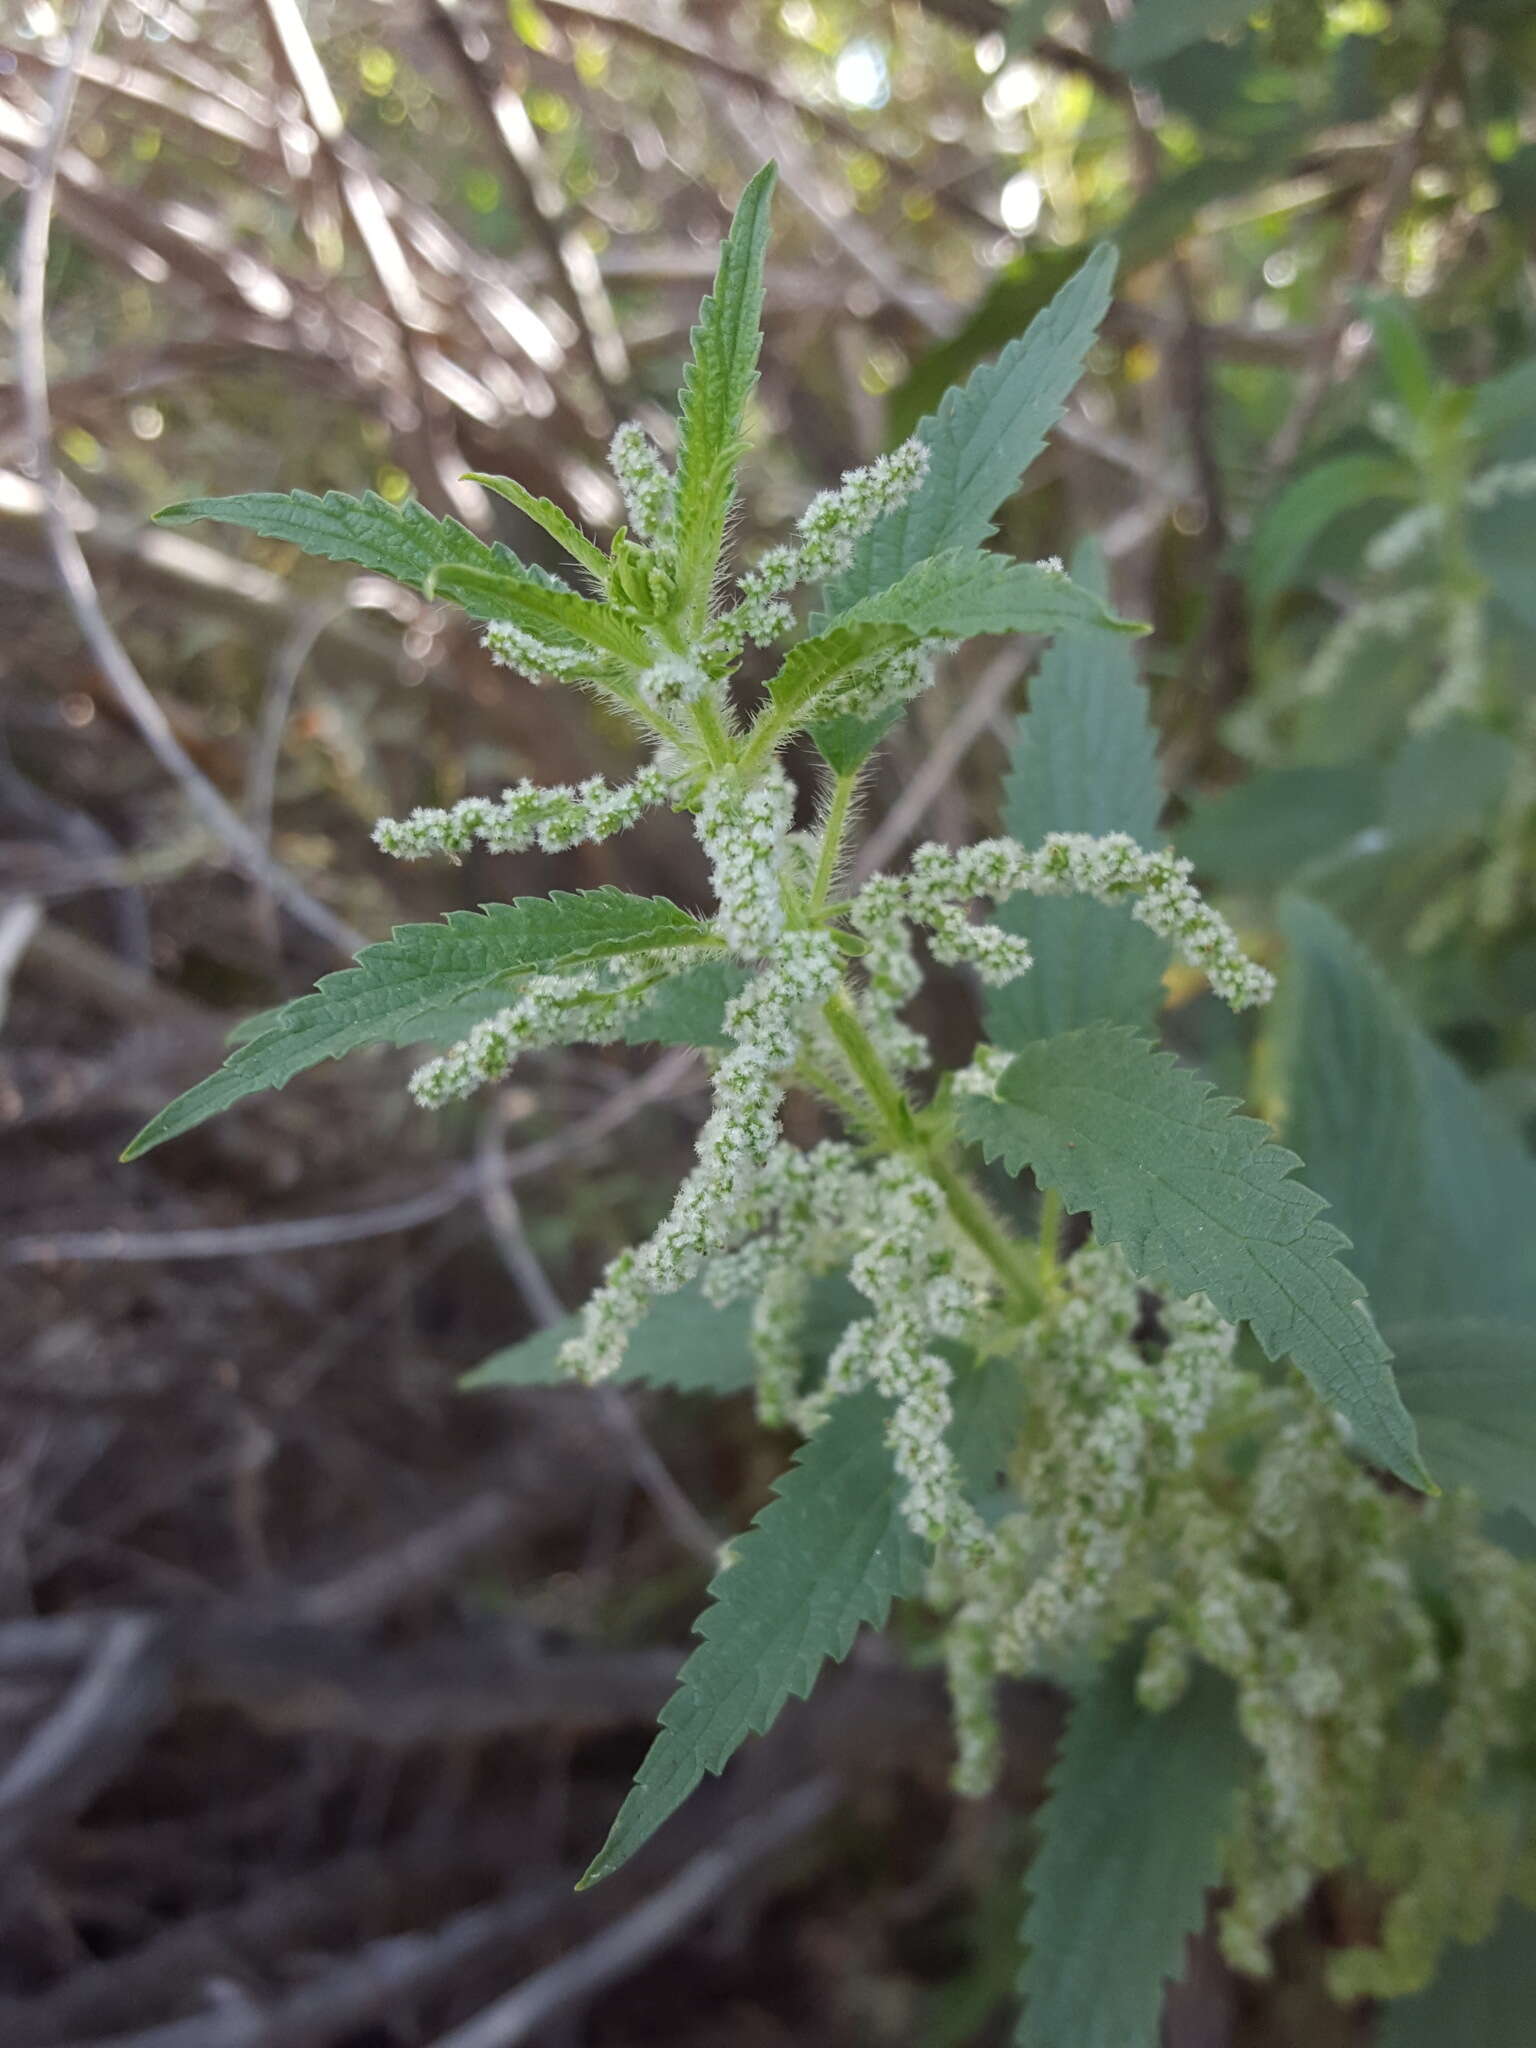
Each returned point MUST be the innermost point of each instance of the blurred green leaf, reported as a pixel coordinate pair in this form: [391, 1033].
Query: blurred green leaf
[1471, 1388]
[1436, 1192]
[1133, 1833]
[1158, 28]
[1084, 760]
[1481, 1997]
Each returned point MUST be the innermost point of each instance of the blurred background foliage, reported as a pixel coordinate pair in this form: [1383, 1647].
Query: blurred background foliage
[351, 245]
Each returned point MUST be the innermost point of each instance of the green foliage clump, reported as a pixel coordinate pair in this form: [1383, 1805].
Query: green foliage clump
[1290, 1663]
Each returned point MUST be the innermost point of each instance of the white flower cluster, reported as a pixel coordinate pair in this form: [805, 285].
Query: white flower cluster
[889, 679]
[1166, 1490]
[808, 1212]
[672, 680]
[552, 818]
[642, 476]
[743, 833]
[922, 1288]
[892, 977]
[1404, 537]
[551, 1009]
[1103, 1423]
[511, 647]
[1503, 480]
[825, 536]
[1464, 667]
[766, 1025]
[942, 881]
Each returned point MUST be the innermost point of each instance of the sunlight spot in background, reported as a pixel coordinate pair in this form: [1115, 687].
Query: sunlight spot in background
[861, 75]
[1013, 90]
[1019, 203]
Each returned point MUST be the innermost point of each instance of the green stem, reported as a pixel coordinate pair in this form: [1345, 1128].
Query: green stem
[832, 839]
[762, 739]
[904, 1134]
[717, 746]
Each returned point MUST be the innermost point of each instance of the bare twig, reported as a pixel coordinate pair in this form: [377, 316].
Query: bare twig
[651, 1927]
[120, 1693]
[575, 277]
[20, 917]
[1329, 358]
[708, 59]
[865, 250]
[671, 1075]
[314, 1908]
[415, 319]
[425, 1559]
[378, 1978]
[73, 570]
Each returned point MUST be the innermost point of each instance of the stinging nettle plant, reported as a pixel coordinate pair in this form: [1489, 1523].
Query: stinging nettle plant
[1069, 1481]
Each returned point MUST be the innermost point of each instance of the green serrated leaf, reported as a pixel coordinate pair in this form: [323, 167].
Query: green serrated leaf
[982, 439]
[1156, 29]
[1202, 1199]
[1445, 785]
[813, 667]
[824, 1558]
[965, 592]
[1271, 828]
[684, 1343]
[1471, 1388]
[1132, 1838]
[559, 615]
[1407, 360]
[404, 542]
[1430, 1181]
[1084, 760]
[717, 383]
[846, 742]
[959, 595]
[421, 968]
[556, 522]
[688, 1008]
[1307, 507]
[1481, 1997]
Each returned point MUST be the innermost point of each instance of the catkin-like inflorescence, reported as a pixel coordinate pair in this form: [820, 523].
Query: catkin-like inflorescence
[642, 476]
[553, 818]
[511, 647]
[1168, 1492]
[892, 977]
[672, 680]
[551, 1009]
[1406, 536]
[810, 1212]
[921, 1289]
[942, 881]
[889, 680]
[1463, 667]
[826, 534]
[1379, 618]
[766, 1025]
[743, 833]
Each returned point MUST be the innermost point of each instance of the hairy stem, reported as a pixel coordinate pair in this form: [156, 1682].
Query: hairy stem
[712, 732]
[904, 1133]
[832, 838]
